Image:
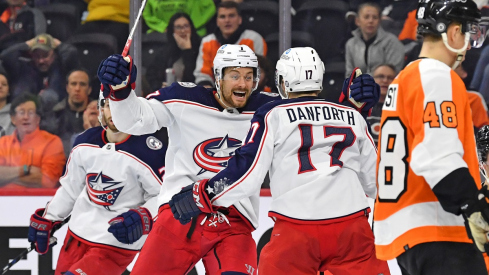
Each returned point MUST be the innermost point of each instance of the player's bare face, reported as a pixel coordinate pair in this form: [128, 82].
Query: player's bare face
[236, 86]
[108, 117]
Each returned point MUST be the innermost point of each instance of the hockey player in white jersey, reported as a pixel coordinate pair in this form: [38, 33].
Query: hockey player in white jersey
[321, 160]
[204, 127]
[110, 187]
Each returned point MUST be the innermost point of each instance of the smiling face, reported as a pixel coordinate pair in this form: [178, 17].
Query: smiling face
[228, 21]
[236, 86]
[26, 119]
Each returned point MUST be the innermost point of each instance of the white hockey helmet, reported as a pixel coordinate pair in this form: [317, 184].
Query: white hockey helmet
[301, 70]
[230, 55]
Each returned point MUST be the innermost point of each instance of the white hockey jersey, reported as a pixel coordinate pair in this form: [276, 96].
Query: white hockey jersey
[202, 135]
[103, 180]
[320, 157]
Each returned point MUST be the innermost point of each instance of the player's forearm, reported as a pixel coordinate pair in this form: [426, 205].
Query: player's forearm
[10, 174]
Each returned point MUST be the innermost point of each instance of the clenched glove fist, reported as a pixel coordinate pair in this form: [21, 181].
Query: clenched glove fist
[190, 202]
[118, 76]
[128, 227]
[477, 215]
[360, 92]
[40, 231]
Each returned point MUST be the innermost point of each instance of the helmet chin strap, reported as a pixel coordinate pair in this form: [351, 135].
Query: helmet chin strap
[459, 52]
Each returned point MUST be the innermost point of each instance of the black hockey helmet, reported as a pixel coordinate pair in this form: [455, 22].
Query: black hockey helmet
[482, 139]
[434, 16]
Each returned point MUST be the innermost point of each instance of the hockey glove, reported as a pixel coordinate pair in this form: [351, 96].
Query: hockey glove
[128, 227]
[118, 76]
[190, 202]
[360, 92]
[477, 216]
[40, 231]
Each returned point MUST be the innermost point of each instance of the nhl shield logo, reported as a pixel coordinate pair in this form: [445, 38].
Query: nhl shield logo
[213, 154]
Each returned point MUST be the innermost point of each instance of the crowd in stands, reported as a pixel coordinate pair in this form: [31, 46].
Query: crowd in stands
[47, 87]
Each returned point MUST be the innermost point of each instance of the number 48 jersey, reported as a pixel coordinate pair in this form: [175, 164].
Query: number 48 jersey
[319, 156]
[426, 133]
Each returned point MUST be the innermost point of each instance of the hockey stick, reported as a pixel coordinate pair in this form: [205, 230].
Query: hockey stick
[131, 34]
[52, 242]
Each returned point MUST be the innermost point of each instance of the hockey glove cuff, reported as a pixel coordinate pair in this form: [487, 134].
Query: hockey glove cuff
[190, 202]
[117, 75]
[130, 226]
[360, 92]
[40, 231]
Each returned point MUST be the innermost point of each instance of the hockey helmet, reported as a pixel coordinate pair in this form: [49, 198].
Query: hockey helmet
[434, 17]
[482, 139]
[301, 70]
[230, 55]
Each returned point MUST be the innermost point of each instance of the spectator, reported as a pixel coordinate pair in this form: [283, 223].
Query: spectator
[267, 75]
[19, 23]
[66, 117]
[44, 73]
[370, 45]
[181, 55]
[477, 103]
[157, 14]
[6, 126]
[90, 119]
[480, 80]
[107, 16]
[228, 31]
[383, 75]
[29, 157]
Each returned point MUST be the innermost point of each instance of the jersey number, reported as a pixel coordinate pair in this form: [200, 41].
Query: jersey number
[448, 114]
[308, 74]
[304, 152]
[393, 166]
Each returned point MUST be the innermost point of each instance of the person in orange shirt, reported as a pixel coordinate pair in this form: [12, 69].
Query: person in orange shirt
[29, 157]
[428, 212]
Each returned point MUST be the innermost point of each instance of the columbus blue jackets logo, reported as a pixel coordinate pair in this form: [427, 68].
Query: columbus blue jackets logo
[101, 189]
[213, 154]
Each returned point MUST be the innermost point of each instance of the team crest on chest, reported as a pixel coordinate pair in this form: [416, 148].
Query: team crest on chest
[213, 154]
[102, 189]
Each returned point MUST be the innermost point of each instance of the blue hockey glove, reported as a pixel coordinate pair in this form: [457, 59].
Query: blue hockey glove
[128, 227]
[40, 231]
[190, 202]
[360, 92]
[117, 75]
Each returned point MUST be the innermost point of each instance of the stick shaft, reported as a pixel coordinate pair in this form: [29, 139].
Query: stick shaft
[131, 33]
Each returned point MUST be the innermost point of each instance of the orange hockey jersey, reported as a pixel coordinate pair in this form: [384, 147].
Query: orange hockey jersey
[426, 133]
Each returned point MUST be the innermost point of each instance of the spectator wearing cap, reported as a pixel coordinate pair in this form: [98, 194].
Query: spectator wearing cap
[229, 31]
[29, 157]
[371, 45]
[66, 117]
[20, 22]
[39, 66]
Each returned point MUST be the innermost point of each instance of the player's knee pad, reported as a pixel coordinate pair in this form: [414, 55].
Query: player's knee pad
[234, 273]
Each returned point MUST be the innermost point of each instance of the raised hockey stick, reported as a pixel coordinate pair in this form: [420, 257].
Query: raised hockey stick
[131, 34]
[52, 241]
